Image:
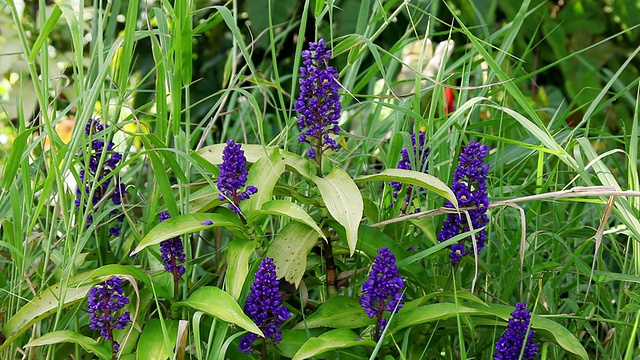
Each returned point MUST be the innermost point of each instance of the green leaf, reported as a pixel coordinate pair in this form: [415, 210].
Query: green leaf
[288, 209]
[153, 143]
[429, 313]
[62, 295]
[264, 174]
[219, 304]
[318, 8]
[437, 247]
[164, 185]
[344, 202]
[238, 254]
[204, 199]
[44, 32]
[184, 224]
[292, 340]
[289, 251]
[331, 340]
[412, 177]
[67, 336]
[13, 162]
[152, 344]
[337, 312]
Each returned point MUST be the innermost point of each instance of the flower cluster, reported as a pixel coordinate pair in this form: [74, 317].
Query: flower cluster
[264, 306]
[100, 175]
[469, 185]
[383, 290]
[318, 104]
[511, 344]
[172, 252]
[233, 176]
[420, 154]
[105, 299]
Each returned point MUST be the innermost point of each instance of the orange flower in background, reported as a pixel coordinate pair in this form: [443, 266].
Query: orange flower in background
[63, 128]
[449, 101]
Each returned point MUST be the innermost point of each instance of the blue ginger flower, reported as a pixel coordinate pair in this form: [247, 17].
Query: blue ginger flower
[105, 300]
[318, 104]
[264, 306]
[100, 178]
[420, 154]
[383, 290]
[233, 176]
[470, 187]
[172, 251]
[510, 345]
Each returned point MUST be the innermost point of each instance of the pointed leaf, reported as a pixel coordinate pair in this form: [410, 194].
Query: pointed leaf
[221, 305]
[331, 340]
[344, 202]
[151, 343]
[412, 177]
[337, 312]
[184, 224]
[88, 344]
[289, 251]
[204, 199]
[288, 209]
[15, 158]
[264, 175]
[238, 254]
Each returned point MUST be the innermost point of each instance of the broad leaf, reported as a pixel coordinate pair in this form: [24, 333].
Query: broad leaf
[288, 209]
[338, 312]
[264, 175]
[415, 178]
[102, 351]
[344, 202]
[152, 340]
[331, 340]
[204, 199]
[184, 224]
[238, 254]
[289, 251]
[219, 304]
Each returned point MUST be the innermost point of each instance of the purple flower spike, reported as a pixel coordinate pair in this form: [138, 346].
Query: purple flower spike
[91, 179]
[512, 342]
[172, 252]
[383, 290]
[318, 104]
[207, 222]
[420, 154]
[105, 299]
[470, 187]
[264, 306]
[233, 176]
